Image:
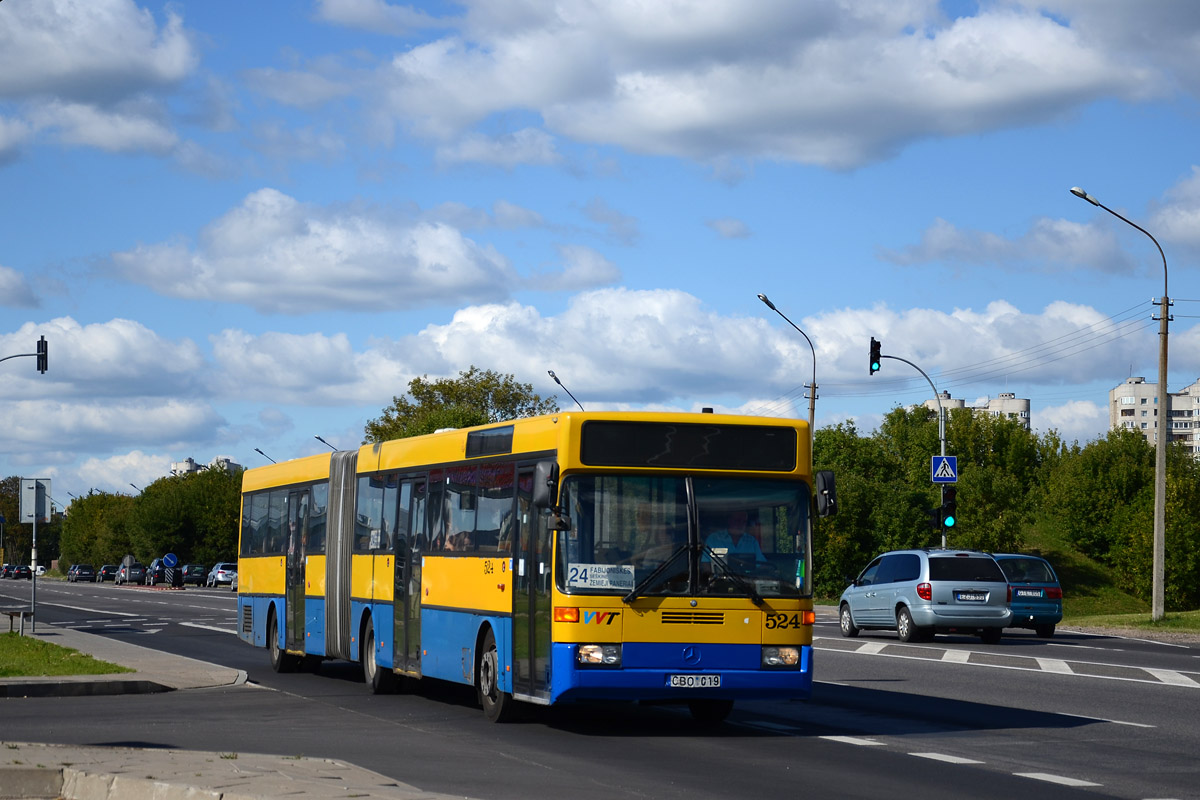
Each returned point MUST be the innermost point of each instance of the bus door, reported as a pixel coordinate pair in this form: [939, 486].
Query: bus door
[297, 522]
[406, 595]
[531, 599]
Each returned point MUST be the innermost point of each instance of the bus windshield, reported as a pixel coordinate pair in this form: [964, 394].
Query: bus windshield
[664, 535]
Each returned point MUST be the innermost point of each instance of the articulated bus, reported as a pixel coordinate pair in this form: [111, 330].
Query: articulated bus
[652, 557]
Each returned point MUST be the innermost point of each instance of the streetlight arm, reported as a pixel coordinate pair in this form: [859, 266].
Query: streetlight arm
[1082, 194]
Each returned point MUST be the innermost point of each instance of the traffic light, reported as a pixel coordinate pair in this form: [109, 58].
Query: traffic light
[875, 356]
[42, 355]
[949, 506]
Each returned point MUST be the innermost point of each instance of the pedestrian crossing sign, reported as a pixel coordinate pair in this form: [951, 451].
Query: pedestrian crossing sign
[944, 469]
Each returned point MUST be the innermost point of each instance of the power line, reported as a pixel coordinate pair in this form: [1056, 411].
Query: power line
[1117, 326]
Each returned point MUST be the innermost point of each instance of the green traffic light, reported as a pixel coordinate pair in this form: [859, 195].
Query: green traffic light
[949, 522]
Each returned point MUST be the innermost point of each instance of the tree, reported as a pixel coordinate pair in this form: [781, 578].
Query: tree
[475, 397]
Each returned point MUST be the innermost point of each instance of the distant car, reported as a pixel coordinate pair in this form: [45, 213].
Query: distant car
[195, 573]
[918, 593]
[6, 571]
[223, 573]
[81, 572]
[40, 571]
[130, 573]
[1034, 593]
[156, 573]
[22, 571]
[107, 573]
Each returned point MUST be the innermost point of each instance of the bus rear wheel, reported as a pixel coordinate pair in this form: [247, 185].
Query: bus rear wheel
[498, 705]
[710, 712]
[380, 679]
[281, 660]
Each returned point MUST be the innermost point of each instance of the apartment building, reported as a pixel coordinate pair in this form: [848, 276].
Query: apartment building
[1005, 404]
[1134, 405]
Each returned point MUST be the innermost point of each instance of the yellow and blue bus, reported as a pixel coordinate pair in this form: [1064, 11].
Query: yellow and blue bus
[653, 557]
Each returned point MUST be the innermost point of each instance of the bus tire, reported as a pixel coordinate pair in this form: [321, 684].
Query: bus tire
[380, 679]
[281, 660]
[710, 712]
[498, 705]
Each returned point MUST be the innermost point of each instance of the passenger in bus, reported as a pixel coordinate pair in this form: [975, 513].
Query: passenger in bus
[735, 540]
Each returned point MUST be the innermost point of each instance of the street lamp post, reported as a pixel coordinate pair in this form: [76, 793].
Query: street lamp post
[1162, 425]
[812, 387]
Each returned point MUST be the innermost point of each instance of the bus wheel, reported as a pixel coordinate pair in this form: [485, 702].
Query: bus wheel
[281, 661]
[710, 712]
[380, 680]
[497, 704]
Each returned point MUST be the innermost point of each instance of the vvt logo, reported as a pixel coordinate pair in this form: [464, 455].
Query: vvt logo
[600, 617]
[691, 655]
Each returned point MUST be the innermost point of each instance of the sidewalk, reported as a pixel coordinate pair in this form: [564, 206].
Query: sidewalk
[69, 772]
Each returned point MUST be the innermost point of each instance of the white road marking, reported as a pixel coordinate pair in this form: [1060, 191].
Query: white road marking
[1172, 677]
[871, 648]
[1055, 665]
[1106, 719]
[90, 610]
[946, 758]
[1061, 780]
[957, 656]
[208, 627]
[854, 740]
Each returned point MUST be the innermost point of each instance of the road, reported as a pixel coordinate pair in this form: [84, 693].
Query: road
[1072, 716]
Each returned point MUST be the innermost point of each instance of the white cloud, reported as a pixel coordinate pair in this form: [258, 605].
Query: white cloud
[118, 358]
[119, 130]
[15, 291]
[1050, 245]
[831, 84]
[1078, 420]
[729, 228]
[1178, 219]
[583, 268]
[376, 16]
[90, 52]
[282, 256]
[526, 146]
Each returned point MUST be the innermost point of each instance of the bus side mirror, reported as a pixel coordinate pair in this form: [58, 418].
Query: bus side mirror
[545, 492]
[826, 494]
[545, 484]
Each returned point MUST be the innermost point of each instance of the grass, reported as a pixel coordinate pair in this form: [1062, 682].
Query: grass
[27, 656]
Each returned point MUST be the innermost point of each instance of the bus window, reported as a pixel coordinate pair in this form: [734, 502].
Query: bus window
[318, 513]
[258, 522]
[368, 517]
[494, 506]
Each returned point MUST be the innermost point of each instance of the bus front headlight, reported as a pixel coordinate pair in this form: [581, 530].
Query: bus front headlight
[598, 655]
[775, 656]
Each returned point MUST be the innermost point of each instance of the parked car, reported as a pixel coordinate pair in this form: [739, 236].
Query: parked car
[22, 571]
[81, 572]
[195, 574]
[223, 573]
[40, 571]
[6, 571]
[918, 593]
[130, 573]
[156, 573]
[1035, 595]
[107, 573]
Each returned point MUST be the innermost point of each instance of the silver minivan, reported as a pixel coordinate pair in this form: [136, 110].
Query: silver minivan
[918, 593]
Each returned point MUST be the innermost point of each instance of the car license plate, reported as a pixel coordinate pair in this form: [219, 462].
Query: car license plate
[971, 597]
[696, 681]
[1029, 593]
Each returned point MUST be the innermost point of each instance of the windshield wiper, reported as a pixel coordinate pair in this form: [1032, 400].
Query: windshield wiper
[737, 579]
[648, 581]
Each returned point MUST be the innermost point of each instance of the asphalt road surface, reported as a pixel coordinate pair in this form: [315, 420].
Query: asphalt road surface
[1071, 716]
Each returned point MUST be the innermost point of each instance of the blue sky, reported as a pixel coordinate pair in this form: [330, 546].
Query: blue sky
[243, 225]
